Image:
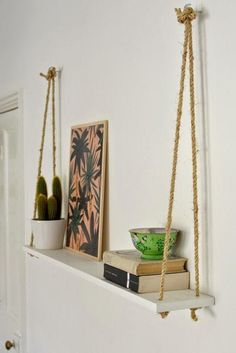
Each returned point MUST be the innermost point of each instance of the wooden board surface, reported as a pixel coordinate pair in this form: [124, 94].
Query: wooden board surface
[93, 271]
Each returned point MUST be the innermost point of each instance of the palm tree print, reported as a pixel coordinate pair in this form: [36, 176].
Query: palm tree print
[91, 244]
[79, 147]
[90, 171]
[86, 175]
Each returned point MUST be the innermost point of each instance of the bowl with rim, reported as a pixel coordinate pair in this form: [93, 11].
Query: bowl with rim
[150, 242]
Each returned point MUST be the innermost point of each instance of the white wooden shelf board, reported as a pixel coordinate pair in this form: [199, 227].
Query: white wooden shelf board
[93, 271]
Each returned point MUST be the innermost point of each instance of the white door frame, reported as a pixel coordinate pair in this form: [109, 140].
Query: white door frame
[10, 102]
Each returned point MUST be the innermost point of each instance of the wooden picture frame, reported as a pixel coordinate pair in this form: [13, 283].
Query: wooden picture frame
[87, 168]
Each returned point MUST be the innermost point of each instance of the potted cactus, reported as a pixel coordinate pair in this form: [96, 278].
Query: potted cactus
[48, 228]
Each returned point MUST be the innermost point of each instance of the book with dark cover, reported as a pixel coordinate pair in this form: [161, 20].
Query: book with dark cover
[115, 275]
[146, 284]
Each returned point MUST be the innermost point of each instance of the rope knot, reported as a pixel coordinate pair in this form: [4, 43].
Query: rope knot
[164, 314]
[188, 14]
[51, 74]
[193, 314]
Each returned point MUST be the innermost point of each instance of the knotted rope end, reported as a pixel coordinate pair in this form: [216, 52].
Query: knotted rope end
[187, 14]
[193, 314]
[164, 314]
[51, 74]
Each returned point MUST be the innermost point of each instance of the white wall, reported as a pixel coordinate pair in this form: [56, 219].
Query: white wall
[121, 62]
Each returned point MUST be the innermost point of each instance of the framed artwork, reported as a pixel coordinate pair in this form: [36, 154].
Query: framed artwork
[86, 188]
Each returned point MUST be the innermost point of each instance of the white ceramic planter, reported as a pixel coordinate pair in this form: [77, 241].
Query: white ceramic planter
[48, 234]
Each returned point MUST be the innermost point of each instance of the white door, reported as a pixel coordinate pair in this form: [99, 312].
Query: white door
[11, 230]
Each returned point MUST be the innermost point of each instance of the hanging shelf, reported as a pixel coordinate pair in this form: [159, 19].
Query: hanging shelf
[161, 303]
[187, 299]
[92, 271]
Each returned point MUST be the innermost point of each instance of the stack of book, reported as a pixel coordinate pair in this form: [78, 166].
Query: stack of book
[127, 269]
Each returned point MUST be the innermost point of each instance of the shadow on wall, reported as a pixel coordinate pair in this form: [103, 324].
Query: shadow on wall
[204, 157]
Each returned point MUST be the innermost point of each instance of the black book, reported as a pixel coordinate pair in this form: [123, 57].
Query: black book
[148, 283]
[121, 277]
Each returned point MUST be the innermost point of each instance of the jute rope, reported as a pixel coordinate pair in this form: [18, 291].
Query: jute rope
[50, 77]
[185, 17]
[194, 163]
[164, 314]
[193, 314]
[53, 126]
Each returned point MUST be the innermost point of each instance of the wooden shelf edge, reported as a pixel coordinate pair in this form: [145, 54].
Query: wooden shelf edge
[184, 299]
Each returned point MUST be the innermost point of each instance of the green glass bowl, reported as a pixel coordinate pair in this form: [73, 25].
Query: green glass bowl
[150, 242]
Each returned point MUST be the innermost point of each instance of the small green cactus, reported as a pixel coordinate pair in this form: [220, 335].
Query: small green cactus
[42, 187]
[52, 208]
[57, 193]
[49, 208]
[42, 206]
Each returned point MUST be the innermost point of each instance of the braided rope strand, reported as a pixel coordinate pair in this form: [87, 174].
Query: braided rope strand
[53, 128]
[174, 163]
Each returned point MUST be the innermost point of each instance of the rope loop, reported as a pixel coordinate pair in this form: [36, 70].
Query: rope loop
[188, 14]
